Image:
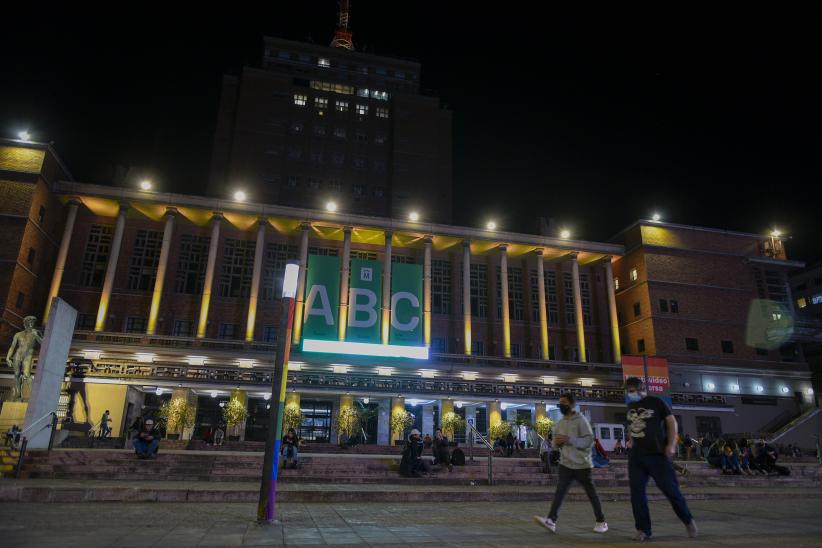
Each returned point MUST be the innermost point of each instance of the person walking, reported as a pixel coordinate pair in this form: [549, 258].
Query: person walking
[574, 439]
[651, 447]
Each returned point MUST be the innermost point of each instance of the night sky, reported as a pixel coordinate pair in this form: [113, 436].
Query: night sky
[594, 119]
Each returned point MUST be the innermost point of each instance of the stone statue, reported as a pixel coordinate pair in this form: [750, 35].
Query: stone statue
[21, 354]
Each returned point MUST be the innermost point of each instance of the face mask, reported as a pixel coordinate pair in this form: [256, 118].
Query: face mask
[564, 408]
[634, 396]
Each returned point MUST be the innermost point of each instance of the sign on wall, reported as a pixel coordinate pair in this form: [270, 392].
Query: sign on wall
[653, 370]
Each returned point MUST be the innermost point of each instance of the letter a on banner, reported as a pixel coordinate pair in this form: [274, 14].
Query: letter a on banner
[322, 297]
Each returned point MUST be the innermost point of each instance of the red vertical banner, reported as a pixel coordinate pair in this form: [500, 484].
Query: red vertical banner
[654, 373]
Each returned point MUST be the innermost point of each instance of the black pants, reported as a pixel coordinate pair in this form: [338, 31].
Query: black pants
[659, 467]
[566, 478]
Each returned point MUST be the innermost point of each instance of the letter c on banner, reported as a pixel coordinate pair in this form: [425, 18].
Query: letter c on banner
[415, 302]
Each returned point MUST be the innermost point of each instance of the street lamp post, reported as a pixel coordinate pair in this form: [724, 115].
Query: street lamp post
[266, 508]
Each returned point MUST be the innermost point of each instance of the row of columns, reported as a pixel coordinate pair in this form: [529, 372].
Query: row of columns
[205, 302]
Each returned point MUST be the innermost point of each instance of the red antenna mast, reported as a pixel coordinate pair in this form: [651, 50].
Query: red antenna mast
[342, 36]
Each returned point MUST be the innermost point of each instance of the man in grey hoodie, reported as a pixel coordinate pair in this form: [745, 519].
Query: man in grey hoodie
[574, 439]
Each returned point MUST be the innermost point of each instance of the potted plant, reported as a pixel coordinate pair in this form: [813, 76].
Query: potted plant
[292, 417]
[401, 420]
[347, 421]
[543, 426]
[234, 413]
[499, 431]
[452, 423]
[179, 414]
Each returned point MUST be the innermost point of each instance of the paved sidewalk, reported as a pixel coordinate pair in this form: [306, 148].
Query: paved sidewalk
[792, 522]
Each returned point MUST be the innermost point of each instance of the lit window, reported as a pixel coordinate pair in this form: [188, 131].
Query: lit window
[320, 103]
[324, 62]
[342, 106]
[616, 283]
[379, 95]
[633, 274]
[382, 112]
[300, 100]
[362, 110]
[362, 92]
[801, 302]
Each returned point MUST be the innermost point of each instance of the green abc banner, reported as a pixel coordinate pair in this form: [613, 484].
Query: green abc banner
[406, 304]
[322, 298]
[364, 302]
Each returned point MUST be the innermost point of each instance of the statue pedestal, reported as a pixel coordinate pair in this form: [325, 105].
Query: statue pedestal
[13, 412]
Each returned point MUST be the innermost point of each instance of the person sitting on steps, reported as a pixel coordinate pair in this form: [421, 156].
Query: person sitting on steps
[290, 448]
[146, 443]
[441, 454]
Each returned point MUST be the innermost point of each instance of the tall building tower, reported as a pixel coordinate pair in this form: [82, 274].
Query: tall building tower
[319, 123]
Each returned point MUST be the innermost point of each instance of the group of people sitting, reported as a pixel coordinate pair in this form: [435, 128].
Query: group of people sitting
[744, 457]
[413, 464]
[550, 458]
[505, 446]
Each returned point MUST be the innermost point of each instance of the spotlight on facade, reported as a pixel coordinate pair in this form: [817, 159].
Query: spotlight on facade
[734, 388]
[491, 225]
[331, 206]
[267, 396]
[222, 404]
[785, 389]
[365, 401]
[759, 388]
[775, 233]
[24, 135]
[268, 406]
[145, 184]
[144, 357]
[213, 393]
[159, 391]
[459, 405]
[414, 216]
[565, 234]
[809, 391]
[656, 217]
[710, 385]
[240, 196]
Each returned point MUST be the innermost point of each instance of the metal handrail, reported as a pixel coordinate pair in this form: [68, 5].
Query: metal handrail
[29, 427]
[24, 441]
[474, 432]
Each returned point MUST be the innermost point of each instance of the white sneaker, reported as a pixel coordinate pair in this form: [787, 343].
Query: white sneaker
[601, 527]
[548, 523]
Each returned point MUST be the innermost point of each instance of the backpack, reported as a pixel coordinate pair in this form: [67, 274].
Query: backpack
[458, 457]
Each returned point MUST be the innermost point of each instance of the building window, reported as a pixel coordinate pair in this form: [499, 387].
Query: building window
[324, 62]
[403, 259]
[292, 181]
[379, 138]
[320, 103]
[479, 290]
[269, 334]
[237, 268]
[136, 325]
[228, 331]
[191, 264]
[761, 351]
[477, 348]
[633, 274]
[637, 310]
[297, 127]
[360, 163]
[616, 284]
[515, 308]
[363, 255]
[440, 286]
[21, 298]
[95, 257]
[801, 302]
[341, 106]
[317, 158]
[339, 132]
[274, 261]
[439, 345]
[330, 86]
[300, 100]
[640, 345]
[183, 328]
[41, 215]
[570, 310]
[516, 350]
[585, 293]
[284, 54]
[144, 260]
[663, 305]
[85, 322]
[338, 159]
[313, 183]
[30, 257]
[382, 112]
[362, 110]
[357, 190]
[691, 343]
[324, 251]
[361, 137]
[727, 347]
[319, 129]
[674, 306]
[294, 153]
[379, 192]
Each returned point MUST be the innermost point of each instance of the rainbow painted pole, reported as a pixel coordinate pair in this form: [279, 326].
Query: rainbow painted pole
[267, 507]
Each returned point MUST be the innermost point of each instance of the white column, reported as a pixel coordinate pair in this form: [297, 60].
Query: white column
[297, 328]
[426, 293]
[506, 317]
[428, 425]
[578, 308]
[543, 310]
[62, 254]
[612, 311]
[205, 301]
[111, 269]
[466, 294]
[256, 275]
[386, 288]
[344, 275]
[159, 279]
[384, 422]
